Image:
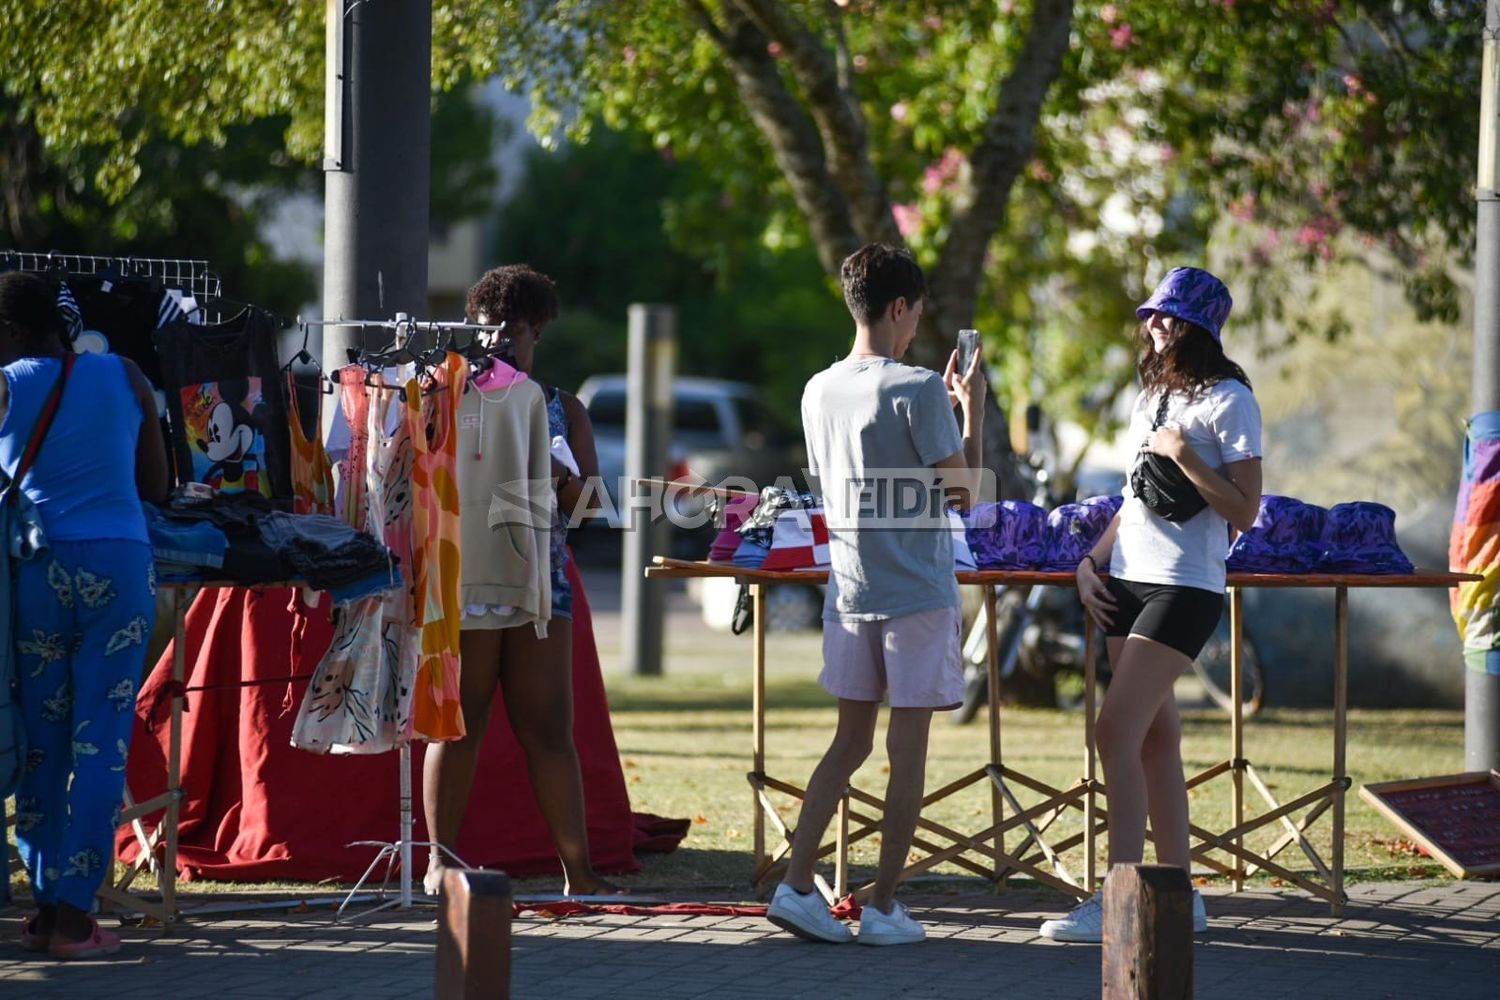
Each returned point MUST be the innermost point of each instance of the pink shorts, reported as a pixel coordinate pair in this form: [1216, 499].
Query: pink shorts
[914, 658]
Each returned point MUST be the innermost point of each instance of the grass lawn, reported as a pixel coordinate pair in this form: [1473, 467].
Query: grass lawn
[685, 742]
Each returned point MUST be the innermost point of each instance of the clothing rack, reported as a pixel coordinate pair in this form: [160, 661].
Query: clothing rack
[185, 274]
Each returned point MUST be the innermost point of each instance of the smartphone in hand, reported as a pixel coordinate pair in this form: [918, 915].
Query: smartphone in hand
[968, 347]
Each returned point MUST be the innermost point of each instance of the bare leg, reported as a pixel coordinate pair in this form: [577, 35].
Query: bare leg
[1144, 672]
[448, 769]
[536, 676]
[906, 743]
[1166, 787]
[852, 741]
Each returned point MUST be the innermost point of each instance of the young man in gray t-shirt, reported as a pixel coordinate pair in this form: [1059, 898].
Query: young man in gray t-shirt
[880, 436]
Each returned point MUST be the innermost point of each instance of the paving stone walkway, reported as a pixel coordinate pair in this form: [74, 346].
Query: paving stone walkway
[1403, 941]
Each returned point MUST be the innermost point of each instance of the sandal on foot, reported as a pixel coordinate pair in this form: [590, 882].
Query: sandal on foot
[31, 940]
[99, 942]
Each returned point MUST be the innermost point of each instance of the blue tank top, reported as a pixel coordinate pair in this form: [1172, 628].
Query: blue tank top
[83, 479]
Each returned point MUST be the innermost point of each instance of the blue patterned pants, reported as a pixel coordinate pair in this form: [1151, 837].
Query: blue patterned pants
[83, 617]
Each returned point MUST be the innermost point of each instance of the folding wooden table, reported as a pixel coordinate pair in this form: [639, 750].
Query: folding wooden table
[158, 846]
[985, 852]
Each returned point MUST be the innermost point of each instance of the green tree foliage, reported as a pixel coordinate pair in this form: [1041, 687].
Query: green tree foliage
[614, 221]
[1045, 158]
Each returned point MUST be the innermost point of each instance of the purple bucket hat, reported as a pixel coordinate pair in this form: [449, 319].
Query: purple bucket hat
[1073, 528]
[1011, 534]
[1192, 294]
[1286, 538]
[1360, 537]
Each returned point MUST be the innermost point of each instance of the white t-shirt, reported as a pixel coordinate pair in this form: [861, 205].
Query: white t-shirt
[1222, 425]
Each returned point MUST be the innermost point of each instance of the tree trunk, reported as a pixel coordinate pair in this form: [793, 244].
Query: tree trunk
[949, 310]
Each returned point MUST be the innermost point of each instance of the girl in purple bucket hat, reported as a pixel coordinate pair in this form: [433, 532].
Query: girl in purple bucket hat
[1165, 587]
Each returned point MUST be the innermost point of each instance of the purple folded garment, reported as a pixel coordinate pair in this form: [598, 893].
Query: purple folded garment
[1287, 537]
[1011, 534]
[1360, 537]
[1073, 528]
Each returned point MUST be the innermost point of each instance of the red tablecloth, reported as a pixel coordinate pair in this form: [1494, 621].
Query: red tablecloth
[255, 808]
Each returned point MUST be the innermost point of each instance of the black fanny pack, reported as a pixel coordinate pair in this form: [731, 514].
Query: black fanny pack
[1161, 484]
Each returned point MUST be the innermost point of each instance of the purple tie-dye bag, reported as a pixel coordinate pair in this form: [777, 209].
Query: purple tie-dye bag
[1360, 537]
[1011, 534]
[1287, 537]
[1073, 528]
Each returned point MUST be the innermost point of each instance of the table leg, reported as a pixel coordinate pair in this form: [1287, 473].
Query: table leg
[1090, 756]
[1340, 739]
[758, 699]
[1237, 726]
[992, 665]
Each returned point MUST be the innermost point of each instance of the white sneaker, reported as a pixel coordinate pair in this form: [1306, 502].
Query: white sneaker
[806, 915]
[896, 927]
[1085, 924]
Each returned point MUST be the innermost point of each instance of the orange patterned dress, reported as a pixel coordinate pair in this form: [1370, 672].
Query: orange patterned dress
[312, 473]
[436, 712]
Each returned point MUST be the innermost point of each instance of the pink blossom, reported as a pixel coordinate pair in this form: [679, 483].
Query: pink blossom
[1037, 170]
[1108, 13]
[908, 219]
[933, 22]
[774, 49]
[629, 55]
[1121, 37]
[899, 111]
[1352, 83]
[940, 174]
[1243, 207]
[860, 62]
[1271, 241]
[1167, 152]
[1007, 6]
[1319, 189]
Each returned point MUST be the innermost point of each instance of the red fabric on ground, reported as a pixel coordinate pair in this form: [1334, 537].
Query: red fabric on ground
[255, 808]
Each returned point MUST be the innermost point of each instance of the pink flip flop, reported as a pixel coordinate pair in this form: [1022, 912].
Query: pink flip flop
[99, 942]
[31, 940]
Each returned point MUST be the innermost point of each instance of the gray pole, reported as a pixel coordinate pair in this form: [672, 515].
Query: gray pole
[1482, 689]
[378, 164]
[648, 435]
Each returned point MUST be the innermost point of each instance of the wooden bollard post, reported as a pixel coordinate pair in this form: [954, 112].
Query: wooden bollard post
[473, 952]
[1148, 933]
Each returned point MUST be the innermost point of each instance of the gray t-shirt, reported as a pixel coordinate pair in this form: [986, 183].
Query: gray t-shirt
[874, 429]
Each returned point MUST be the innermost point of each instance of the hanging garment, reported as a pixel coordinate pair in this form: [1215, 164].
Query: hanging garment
[506, 499]
[1474, 545]
[361, 695]
[354, 409]
[436, 553]
[253, 808]
[312, 473]
[227, 400]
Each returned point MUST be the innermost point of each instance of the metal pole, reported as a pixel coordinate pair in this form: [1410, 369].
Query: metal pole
[648, 433]
[378, 162]
[1481, 688]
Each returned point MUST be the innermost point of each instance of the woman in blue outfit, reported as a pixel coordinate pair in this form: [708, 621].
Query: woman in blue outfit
[83, 608]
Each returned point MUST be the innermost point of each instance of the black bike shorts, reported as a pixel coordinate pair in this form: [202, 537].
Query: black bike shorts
[1183, 618]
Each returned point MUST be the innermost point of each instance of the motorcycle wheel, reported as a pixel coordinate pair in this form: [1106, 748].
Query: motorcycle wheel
[1212, 670]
